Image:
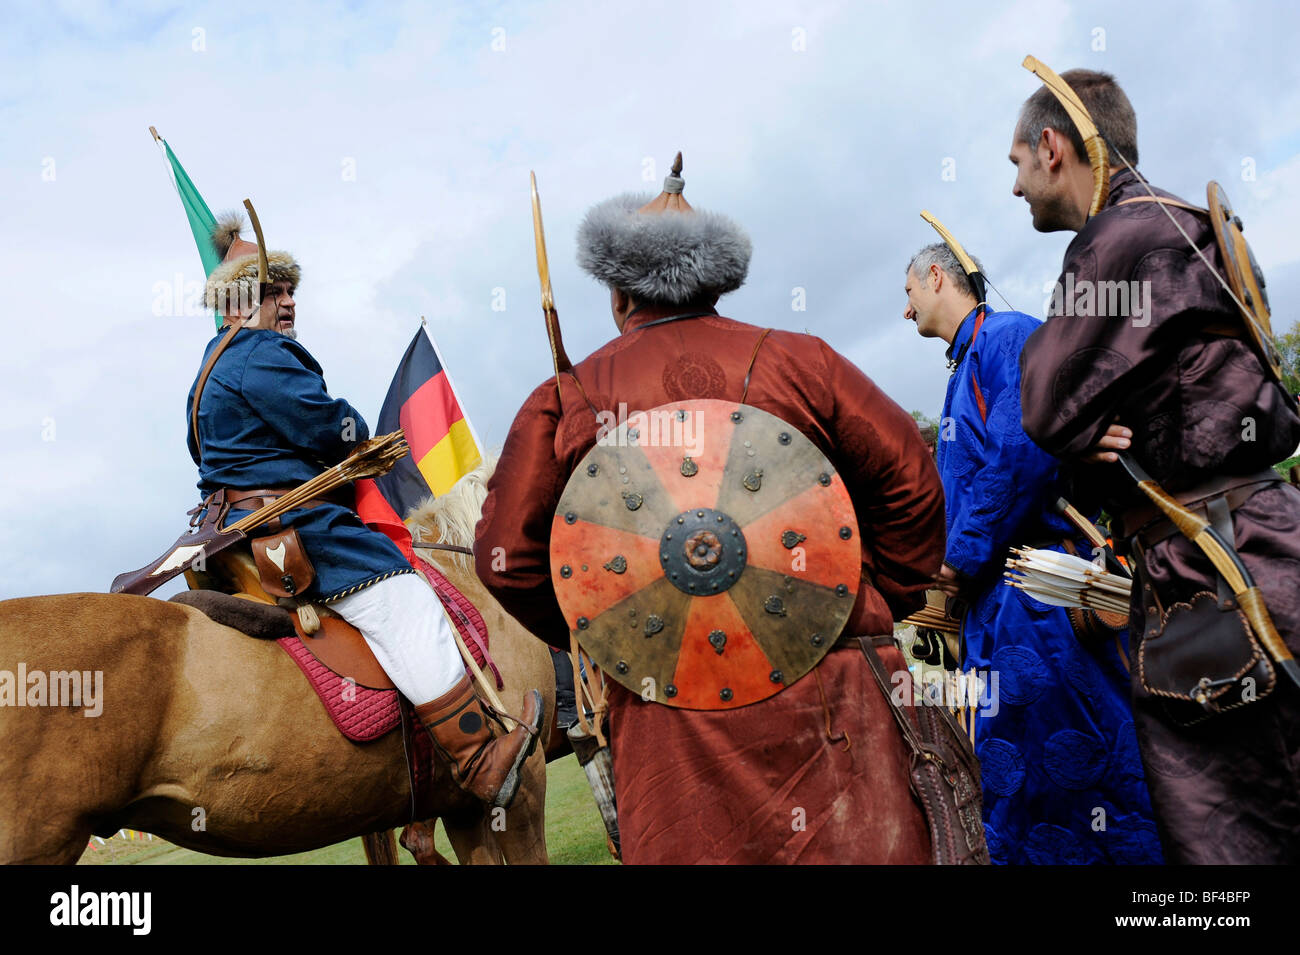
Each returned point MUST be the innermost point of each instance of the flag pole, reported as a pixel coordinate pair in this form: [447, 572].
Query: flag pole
[162, 151]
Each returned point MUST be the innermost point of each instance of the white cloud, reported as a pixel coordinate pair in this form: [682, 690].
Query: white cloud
[825, 154]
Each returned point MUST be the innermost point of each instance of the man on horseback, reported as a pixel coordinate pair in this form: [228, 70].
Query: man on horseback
[266, 423]
[814, 769]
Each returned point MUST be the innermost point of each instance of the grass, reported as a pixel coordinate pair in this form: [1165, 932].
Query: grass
[574, 835]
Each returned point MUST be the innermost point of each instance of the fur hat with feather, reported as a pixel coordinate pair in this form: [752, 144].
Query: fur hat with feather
[662, 250]
[235, 279]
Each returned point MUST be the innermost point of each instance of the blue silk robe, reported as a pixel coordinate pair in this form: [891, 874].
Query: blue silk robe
[267, 421]
[1063, 781]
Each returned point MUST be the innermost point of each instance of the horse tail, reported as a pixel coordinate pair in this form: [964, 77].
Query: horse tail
[381, 848]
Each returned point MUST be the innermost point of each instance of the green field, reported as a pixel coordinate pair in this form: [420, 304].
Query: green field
[574, 835]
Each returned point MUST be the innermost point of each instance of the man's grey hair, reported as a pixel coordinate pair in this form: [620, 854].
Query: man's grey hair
[939, 254]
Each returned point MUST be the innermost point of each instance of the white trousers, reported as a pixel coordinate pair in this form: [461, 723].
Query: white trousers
[407, 628]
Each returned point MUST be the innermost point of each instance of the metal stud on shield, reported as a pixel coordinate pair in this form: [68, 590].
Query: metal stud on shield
[717, 589]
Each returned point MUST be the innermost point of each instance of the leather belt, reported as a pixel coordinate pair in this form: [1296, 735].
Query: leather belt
[213, 508]
[1148, 524]
[252, 500]
[848, 641]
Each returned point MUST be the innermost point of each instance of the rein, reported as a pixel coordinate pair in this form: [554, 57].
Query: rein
[454, 548]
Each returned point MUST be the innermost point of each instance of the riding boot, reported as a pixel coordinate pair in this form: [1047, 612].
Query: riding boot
[483, 765]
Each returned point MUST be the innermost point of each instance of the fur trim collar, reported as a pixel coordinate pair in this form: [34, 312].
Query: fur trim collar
[668, 257]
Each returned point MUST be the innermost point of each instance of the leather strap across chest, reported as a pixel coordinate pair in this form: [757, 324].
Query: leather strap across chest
[203, 380]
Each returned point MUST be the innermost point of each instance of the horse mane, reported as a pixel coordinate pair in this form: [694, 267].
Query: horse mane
[451, 518]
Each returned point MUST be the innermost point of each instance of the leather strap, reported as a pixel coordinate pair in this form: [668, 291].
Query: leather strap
[1164, 202]
[230, 499]
[1148, 523]
[974, 379]
[753, 356]
[454, 548]
[203, 380]
[233, 498]
[1219, 514]
[868, 645]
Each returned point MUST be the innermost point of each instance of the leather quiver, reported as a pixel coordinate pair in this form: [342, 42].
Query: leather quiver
[283, 564]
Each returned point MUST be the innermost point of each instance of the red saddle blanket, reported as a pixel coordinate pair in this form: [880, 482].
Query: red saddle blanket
[362, 712]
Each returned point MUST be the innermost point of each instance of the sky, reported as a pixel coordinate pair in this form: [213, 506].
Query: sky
[388, 146]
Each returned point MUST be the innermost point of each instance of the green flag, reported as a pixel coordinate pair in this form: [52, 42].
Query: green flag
[197, 212]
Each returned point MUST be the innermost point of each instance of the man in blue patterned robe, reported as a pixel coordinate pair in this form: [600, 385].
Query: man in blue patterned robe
[1063, 782]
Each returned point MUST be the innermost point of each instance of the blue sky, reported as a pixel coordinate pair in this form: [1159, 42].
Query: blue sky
[823, 128]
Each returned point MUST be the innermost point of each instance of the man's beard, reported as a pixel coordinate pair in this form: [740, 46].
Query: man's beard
[1053, 215]
[290, 333]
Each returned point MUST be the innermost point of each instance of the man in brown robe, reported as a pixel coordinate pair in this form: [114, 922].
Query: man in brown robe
[1157, 364]
[818, 772]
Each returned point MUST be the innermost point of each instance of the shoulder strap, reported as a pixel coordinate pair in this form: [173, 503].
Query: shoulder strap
[882, 681]
[1164, 202]
[979, 395]
[753, 357]
[203, 380]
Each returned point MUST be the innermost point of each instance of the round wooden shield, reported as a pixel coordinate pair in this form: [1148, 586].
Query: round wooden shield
[1244, 276]
[705, 554]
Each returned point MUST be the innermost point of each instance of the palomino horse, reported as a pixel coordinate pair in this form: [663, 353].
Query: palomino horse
[215, 741]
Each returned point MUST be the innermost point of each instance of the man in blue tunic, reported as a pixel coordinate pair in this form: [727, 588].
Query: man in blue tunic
[1063, 781]
[266, 423]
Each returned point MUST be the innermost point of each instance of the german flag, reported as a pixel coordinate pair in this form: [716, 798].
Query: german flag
[422, 402]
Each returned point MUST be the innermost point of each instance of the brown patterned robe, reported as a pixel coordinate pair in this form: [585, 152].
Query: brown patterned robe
[816, 773]
[1200, 405]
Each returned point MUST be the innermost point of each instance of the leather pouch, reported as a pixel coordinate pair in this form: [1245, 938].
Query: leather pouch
[1203, 660]
[283, 564]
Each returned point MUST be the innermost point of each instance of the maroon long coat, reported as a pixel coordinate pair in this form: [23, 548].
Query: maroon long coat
[1200, 405]
[818, 772]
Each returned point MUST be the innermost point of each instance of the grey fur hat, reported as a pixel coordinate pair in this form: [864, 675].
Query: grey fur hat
[671, 257]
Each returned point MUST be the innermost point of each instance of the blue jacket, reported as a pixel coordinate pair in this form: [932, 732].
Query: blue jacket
[1058, 751]
[267, 421]
[1000, 486]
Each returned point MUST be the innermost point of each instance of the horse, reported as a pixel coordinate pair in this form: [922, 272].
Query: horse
[215, 741]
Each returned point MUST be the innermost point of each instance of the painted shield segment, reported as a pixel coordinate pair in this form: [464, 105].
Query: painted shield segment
[705, 554]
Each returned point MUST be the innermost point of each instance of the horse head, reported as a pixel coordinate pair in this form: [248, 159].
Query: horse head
[451, 518]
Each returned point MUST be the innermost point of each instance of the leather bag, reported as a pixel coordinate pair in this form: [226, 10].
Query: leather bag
[1203, 659]
[945, 774]
[283, 564]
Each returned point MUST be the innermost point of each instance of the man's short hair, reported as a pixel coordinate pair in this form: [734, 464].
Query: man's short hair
[1110, 109]
[939, 254]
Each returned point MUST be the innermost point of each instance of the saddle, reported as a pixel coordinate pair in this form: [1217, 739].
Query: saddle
[350, 682]
[336, 659]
